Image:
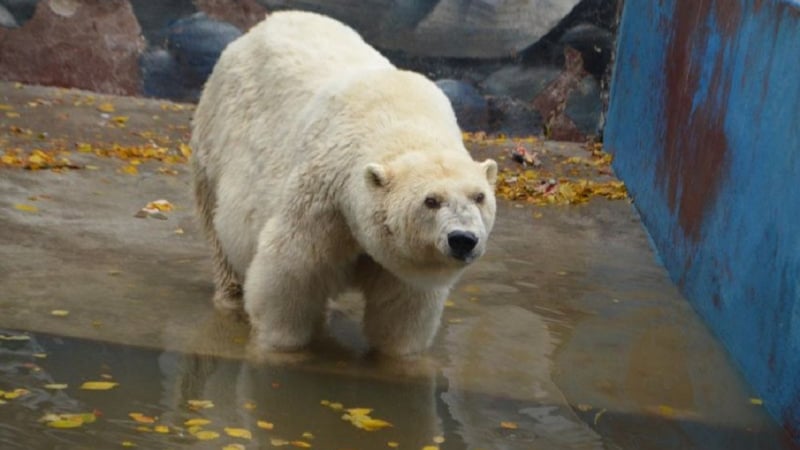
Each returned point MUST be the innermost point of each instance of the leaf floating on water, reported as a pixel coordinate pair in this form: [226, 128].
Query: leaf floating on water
[196, 422]
[55, 386]
[200, 404]
[99, 385]
[14, 337]
[360, 418]
[264, 425]
[205, 435]
[238, 433]
[25, 208]
[141, 418]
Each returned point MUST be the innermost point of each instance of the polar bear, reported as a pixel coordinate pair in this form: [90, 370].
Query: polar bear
[319, 168]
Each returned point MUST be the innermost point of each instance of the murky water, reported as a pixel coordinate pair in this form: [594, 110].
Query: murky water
[425, 405]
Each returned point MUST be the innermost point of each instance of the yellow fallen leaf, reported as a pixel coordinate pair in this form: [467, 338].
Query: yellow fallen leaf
[449, 304]
[371, 424]
[263, 424]
[40, 355]
[238, 433]
[144, 429]
[55, 386]
[163, 429]
[120, 120]
[14, 337]
[12, 115]
[359, 411]
[130, 169]
[307, 435]
[431, 447]
[438, 440]
[16, 393]
[508, 425]
[127, 444]
[325, 402]
[106, 107]
[141, 418]
[206, 435]
[393, 444]
[336, 406]
[26, 208]
[247, 405]
[278, 442]
[98, 385]
[200, 404]
[186, 151]
[5, 107]
[65, 423]
[666, 411]
[234, 447]
[84, 147]
[756, 401]
[300, 444]
[196, 422]
[59, 312]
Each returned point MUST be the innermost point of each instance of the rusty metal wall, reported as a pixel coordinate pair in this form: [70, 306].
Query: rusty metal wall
[704, 123]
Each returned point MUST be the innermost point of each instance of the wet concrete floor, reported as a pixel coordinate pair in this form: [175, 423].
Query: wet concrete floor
[567, 335]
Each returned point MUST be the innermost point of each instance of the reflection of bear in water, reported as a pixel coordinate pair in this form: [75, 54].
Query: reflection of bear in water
[320, 167]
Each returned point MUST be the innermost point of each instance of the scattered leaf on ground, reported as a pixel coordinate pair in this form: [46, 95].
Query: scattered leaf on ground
[393, 444]
[26, 208]
[234, 447]
[263, 424]
[360, 418]
[308, 435]
[56, 386]
[508, 425]
[59, 312]
[163, 429]
[756, 401]
[249, 405]
[14, 337]
[300, 444]
[128, 444]
[438, 440]
[278, 442]
[106, 107]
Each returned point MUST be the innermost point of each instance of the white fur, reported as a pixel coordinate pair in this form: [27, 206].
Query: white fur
[316, 155]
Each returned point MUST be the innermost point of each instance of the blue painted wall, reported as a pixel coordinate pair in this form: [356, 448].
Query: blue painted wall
[704, 123]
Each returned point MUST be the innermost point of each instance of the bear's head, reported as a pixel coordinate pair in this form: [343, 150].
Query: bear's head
[432, 213]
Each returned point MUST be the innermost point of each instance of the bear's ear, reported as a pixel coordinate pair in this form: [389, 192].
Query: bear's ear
[490, 169]
[376, 175]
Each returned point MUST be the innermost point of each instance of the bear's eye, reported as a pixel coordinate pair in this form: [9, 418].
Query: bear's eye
[480, 198]
[432, 202]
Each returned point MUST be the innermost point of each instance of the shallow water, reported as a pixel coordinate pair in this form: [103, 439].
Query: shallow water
[426, 406]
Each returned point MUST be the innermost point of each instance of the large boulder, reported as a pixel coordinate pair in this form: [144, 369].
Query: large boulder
[444, 28]
[195, 42]
[89, 44]
[161, 77]
[518, 81]
[243, 14]
[471, 108]
[513, 117]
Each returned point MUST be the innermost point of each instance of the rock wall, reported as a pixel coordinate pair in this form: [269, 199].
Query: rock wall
[496, 59]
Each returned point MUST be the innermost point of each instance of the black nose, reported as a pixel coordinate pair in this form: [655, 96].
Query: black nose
[461, 243]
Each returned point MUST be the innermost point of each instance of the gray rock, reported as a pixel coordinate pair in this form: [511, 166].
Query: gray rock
[472, 110]
[156, 16]
[6, 19]
[584, 106]
[444, 28]
[20, 10]
[161, 77]
[594, 43]
[196, 43]
[513, 117]
[523, 83]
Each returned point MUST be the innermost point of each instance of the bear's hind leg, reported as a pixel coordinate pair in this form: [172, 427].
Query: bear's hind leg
[401, 319]
[227, 287]
[285, 293]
